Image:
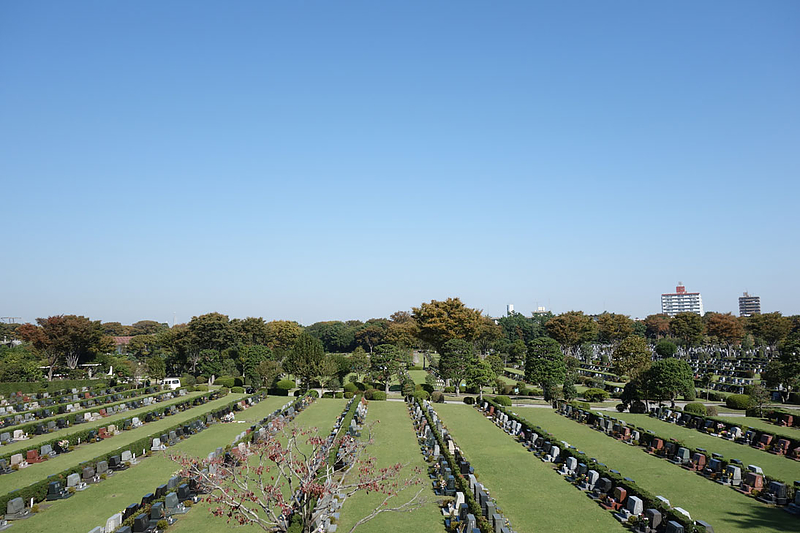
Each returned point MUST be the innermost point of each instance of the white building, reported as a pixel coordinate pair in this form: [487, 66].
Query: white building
[681, 301]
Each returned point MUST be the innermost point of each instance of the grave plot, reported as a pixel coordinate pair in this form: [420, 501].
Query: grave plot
[531, 493]
[773, 465]
[92, 507]
[725, 509]
[763, 425]
[60, 463]
[320, 414]
[395, 442]
[36, 440]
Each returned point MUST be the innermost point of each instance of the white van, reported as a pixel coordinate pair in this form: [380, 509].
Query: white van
[172, 383]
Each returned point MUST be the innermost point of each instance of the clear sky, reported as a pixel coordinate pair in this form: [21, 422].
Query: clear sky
[336, 160]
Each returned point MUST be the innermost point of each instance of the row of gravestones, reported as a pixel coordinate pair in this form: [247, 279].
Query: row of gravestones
[71, 404]
[93, 474]
[62, 446]
[759, 439]
[21, 402]
[65, 421]
[600, 489]
[457, 511]
[711, 466]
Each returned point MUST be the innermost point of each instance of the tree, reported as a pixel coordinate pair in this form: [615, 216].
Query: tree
[456, 357]
[572, 329]
[613, 328]
[769, 327]
[668, 378]
[147, 327]
[336, 336]
[517, 351]
[359, 362]
[373, 333]
[116, 329]
[665, 348]
[251, 331]
[518, 327]
[250, 357]
[440, 322]
[403, 330]
[688, 327]
[631, 357]
[268, 371]
[307, 360]
[784, 371]
[278, 480]
[386, 362]
[156, 368]
[725, 327]
[18, 363]
[760, 397]
[545, 362]
[281, 336]
[496, 363]
[569, 390]
[212, 331]
[657, 326]
[480, 374]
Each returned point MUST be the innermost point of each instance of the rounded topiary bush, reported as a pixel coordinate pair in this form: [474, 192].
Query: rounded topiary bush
[437, 397]
[239, 390]
[503, 400]
[375, 394]
[738, 401]
[226, 382]
[349, 395]
[469, 400]
[285, 384]
[201, 388]
[595, 395]
[350, 387]
[711, 410]
[313, 393]
[422, 395]
[620, 407]
[695, 408]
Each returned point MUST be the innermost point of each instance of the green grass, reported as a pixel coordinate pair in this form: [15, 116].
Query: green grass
[37, 440]
[60, 463]
[530, 493]
[759, 423]
[395, 442]
[725, 509]
[418, 376]
[321, 414]
[773, 465]
[93, 506]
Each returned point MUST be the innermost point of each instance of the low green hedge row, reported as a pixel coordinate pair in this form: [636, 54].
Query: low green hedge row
[11, 387]
[38, 490]
[351, 412]
[647, 438]
[99, 404]
[648, 499]
[81, 434]
[462, 484]
[64, 397]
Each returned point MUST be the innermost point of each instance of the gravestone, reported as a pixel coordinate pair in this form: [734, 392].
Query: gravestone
[114, 522]
[15, 510]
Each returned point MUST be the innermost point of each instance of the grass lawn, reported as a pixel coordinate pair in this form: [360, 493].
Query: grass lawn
[759, 423]
[59, 463]
[418, 376]
[36, 440]
[530, 493]
[321, 414]
[395, 442]
[93, 506]
[725, 509]
[774, 465]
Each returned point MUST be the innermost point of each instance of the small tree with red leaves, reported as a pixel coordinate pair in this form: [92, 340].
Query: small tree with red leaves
[285, 478]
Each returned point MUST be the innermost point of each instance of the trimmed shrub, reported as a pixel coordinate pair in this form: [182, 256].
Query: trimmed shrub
[505, 401]
[227, 382]
[711, 410]
[313, 393]
[696, 408]
[239, 390]
[350, 387]
[188, 380]
[339, 395]
[620, 407]
[285, 384]
[375, 394]
[349, 395]
[450, 389]
[201, 379]
[437, 397]
[202, 388]
[738, 401]
[422, 395]
[327, 395]
[426, 387]
[691, 395]
[595, 395]
[469, 400]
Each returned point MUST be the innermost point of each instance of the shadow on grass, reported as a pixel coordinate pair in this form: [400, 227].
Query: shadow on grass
[761, 518]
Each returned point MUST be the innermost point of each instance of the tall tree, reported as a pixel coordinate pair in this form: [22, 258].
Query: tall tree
[784, 371]
[307, 360]
[480, 374]
[544, 363]
[156, 368]
[251, 331]
[147, 327]
[668, 378]
[657, 326]
[631, 357]
[373, 333]
[386, 362]
[770, 328]
[613, 328]
[442, 321]
[359, 362]
[213, 331]
[725, 327]
[403, 330]
[571, 329]
[281, 336]
[688, 327]
[250, 357]
[455, 359]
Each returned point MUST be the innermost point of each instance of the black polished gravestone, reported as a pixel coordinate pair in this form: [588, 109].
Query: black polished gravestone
[141, 523]
[56, 492]
[161, 491]
[130, 511]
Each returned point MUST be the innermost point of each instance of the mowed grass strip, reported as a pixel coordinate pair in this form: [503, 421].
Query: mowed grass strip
[34, 441]
[764, 425]
[773, 465]
[530, 493]
[96, 504]
[37, 472]
[395, 442]
[321, 414]
[725, 509]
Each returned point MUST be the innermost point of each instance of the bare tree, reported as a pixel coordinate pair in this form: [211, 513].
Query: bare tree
[286, 477]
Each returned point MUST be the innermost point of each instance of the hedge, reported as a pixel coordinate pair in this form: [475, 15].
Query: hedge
[695, 408]
[11, 387]
[375, 394]
[648, 499]
[595, 395]
[38, 490]
[739, 401]
[469, 400]
[437, 397]
[503, 400]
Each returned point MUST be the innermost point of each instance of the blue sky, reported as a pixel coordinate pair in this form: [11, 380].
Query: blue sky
[337, 160]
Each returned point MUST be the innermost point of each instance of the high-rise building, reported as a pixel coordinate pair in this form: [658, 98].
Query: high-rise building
[681, 301]
[749, 305]
[510, 309]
